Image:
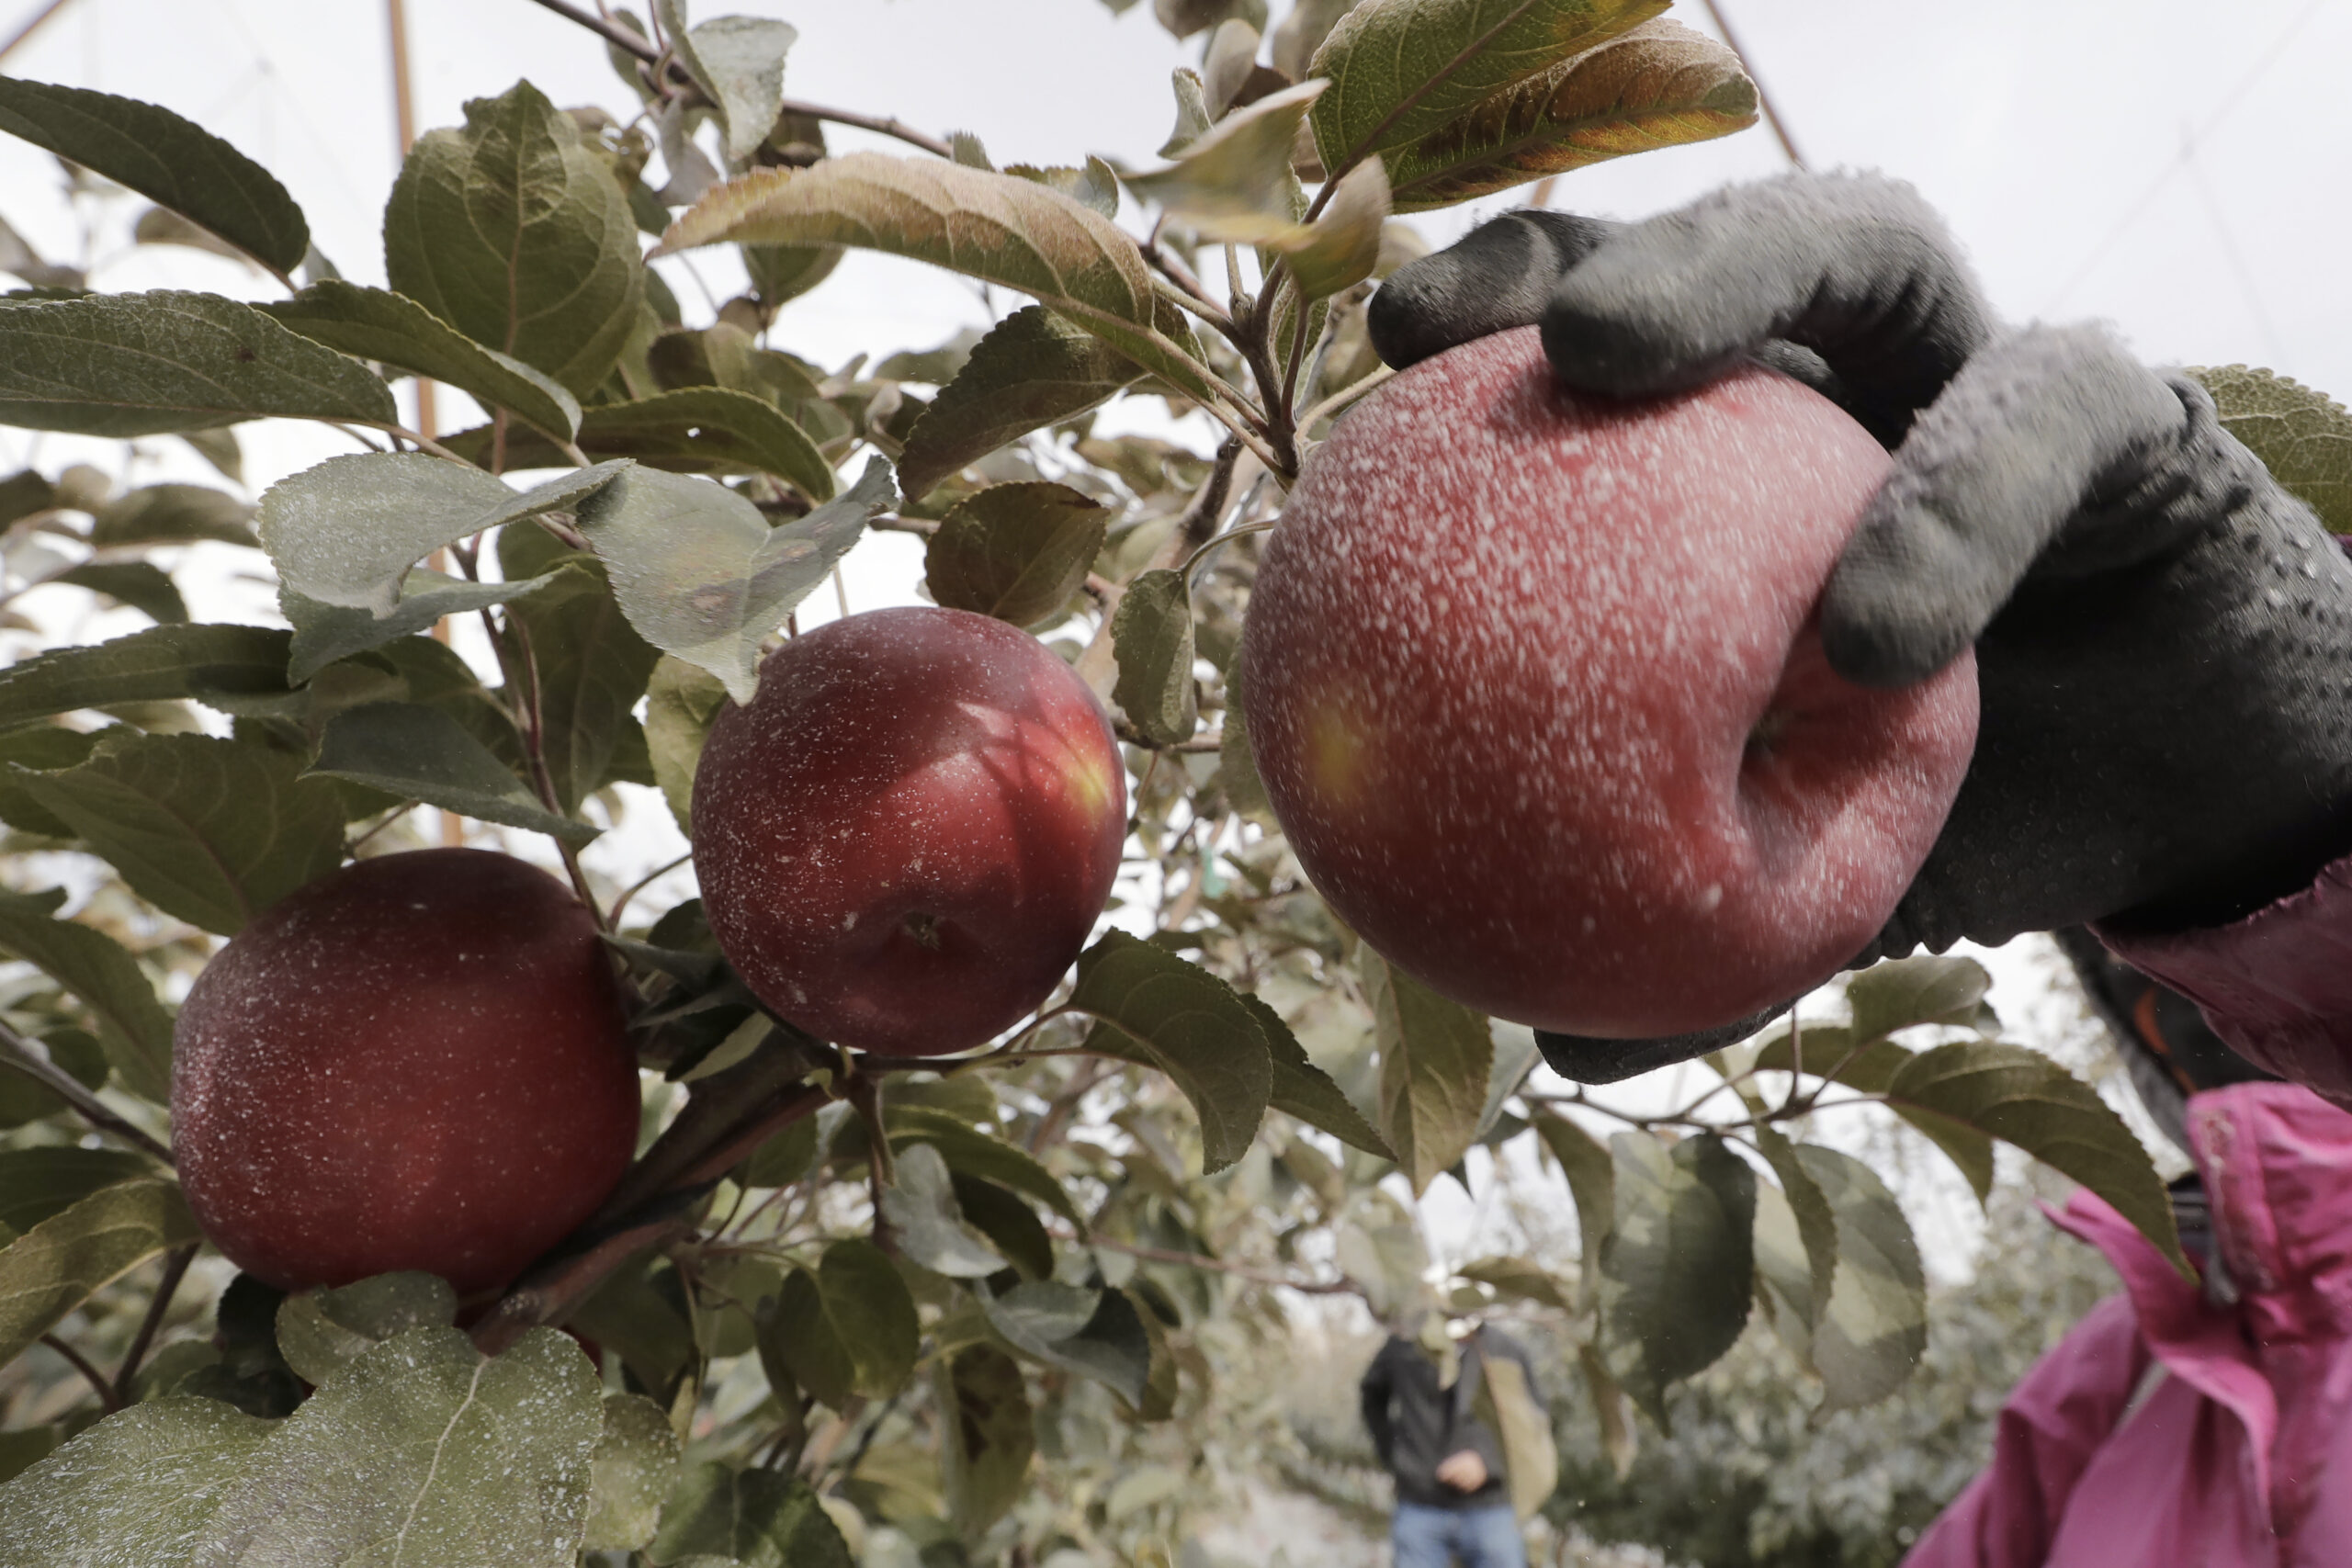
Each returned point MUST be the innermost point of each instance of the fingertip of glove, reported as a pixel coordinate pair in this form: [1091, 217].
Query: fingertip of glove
[1583, 1059]
[1598, 345]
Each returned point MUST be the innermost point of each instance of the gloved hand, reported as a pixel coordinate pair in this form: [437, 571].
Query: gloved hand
[2163, 635]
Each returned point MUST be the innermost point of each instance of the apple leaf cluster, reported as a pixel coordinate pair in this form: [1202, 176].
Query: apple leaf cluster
[840, 1304]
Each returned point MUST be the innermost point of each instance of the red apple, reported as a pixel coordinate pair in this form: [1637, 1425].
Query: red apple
[418, 1062]
[1536, 684]
[906, 837]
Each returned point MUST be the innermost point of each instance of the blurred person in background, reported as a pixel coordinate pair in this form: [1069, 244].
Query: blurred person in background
[1421, 1400]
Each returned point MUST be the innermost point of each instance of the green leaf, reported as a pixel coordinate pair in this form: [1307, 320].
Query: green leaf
[142, 585]
[2025, 1098]
[1000, 228]
[738, 61]
[987, 1435]
[42, 748]
[920, 1206]
[1010, 1224]
[210, 664]
[413, 752]
[630, 1475]
[164, 158]
[1302, 1089]
[1814, 1219]
[797, 1336]
[1015, 551]
[1784, 1272]
[347, 531]
[1435, 1058]
[1906, 991]
[2303, 436]
[172, 514]
[321, 1332]
[212, 831]
[138, 1488]
[701, 575]
[1151, 635]
[1095, 184]
[1400, 69]
[128, 364]
[515, 234]
[1675, 1269]
[1875, 1326]
[1519, 1280]
[1097, 1333]
[783, 273]
[1032, 369]
[1660, 85]
[36, 1184]
[70, 1257]
[644, 1325]
[1388, 1262]
[133, 1028]
[325, 633]
[1592, 1182]
[682, 702]
[1193, 116]
[592, 665]
[1293, 45]
[376, 324]
[1342, 247]
[1235, 182]
[757, 1518]
[690, 430]
[220, 448]
[420, 1452]
[970, 1152]
[1190, 1025]
[866, 1299]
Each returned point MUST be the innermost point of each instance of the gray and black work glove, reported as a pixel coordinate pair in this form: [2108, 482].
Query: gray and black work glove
[2164, 635]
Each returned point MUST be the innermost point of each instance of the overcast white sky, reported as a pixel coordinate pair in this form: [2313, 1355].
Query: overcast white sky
[2175, 167]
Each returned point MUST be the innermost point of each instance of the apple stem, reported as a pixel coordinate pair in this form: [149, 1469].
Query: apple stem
[864, 1093]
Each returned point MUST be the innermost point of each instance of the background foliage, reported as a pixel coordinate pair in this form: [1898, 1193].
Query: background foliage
[1025, 1307]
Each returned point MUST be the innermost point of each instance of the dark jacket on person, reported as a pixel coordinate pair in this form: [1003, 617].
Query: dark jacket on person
[1416, 1425]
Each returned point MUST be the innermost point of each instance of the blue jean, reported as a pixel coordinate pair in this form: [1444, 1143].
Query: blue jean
[1424, 1536]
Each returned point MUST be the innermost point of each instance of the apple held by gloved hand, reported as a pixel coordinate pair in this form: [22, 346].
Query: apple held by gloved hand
[905, 838]
[1535, 684]
[2159, 630]
[417, 1063]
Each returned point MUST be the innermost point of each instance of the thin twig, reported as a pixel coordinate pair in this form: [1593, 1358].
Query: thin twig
[17, 1052]
[90, 1374]
[636, 43]
[1763, 98]
[641, 883]
[174, 1269]
[1342, 398]
[1192, 561]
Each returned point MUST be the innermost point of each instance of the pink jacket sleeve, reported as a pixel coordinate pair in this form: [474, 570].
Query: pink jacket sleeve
[2277, 985]
[2054, 1421]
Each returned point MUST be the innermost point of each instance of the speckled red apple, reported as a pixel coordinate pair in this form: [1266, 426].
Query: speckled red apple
[1537, 688]
[906, 837]
[417, 1063]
